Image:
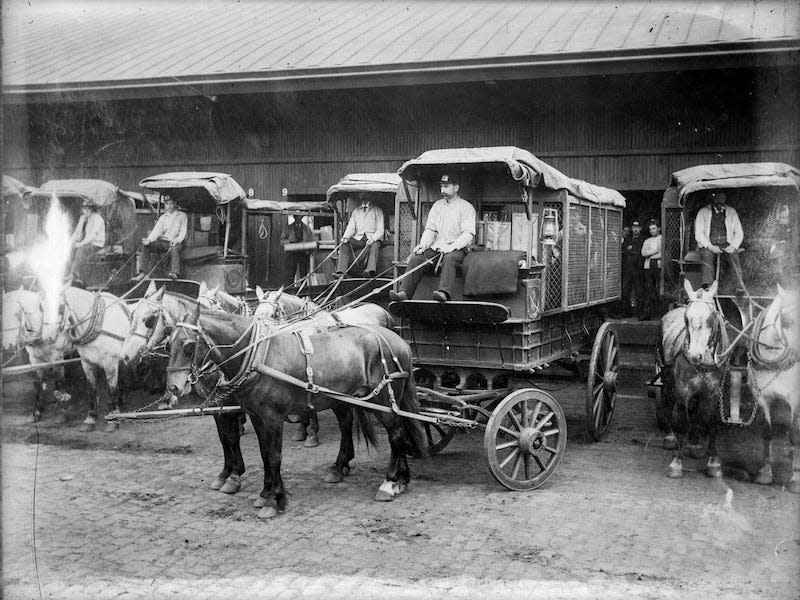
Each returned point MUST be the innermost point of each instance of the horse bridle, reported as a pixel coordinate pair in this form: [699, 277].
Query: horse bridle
[27, 335]
[716, 329]
[162, 317]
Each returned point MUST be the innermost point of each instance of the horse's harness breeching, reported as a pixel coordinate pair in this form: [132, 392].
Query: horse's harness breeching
[253, 365]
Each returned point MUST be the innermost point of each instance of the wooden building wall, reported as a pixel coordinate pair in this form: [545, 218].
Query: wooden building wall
[625, 132]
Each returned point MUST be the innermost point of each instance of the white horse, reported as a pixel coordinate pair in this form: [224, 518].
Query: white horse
[96, 324]
[217, 299]
[774, 374]
[24, 321]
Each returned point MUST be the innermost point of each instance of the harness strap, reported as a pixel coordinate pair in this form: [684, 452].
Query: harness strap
[307, 348]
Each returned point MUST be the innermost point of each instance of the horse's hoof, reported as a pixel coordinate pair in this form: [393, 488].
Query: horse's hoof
[268, 512]
[793, 486]
[299, 436]
[312, 441]
[253, 497]
[696, 450]
[764, 476]
[86, 427]
[260, 502]
[333, 476]
[232, 485]
[670, 442]
[60, 419]
[714, 471]
[111, 427]
[218, 483]
[675, 473]
[346, 470]
[383, 496]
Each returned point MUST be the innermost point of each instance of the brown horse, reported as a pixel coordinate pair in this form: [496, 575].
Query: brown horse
[275, 371]
[691, 335]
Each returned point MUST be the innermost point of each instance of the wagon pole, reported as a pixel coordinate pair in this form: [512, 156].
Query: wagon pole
[16, 370]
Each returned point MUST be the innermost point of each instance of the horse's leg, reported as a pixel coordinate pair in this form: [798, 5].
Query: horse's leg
[301, 426]
[764, 475]
[115, 393]
[312, 440]
[393, 485]
[344, 415]
[91, 418]
[228, 430]
[262, 499]
[794, 436]
[273, 441]
[713, 464]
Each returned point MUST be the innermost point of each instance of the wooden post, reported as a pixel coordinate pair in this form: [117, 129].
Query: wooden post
[227, 229]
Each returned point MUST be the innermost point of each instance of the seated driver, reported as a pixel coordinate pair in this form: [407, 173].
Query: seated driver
[168, 235]
[718, 230]
[450, 230]
[365, 229]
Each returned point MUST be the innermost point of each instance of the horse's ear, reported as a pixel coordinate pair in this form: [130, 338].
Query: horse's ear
[151, 289]
[712, 291]
[159, 295]
[781, 291]
[688, 287]
[203, 288]
[278, 294]
[259, 293]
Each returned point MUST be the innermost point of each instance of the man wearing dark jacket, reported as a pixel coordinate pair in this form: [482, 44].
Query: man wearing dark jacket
[632, 270]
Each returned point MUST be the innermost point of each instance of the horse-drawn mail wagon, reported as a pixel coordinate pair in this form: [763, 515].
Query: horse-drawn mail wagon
[731, 243]
[215, 250]
[530, 293]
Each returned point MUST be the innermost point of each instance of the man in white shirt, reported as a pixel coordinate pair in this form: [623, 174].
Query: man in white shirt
[89, 236]
[449, 230]
[718, 230]
[365, 229]
[168, 235]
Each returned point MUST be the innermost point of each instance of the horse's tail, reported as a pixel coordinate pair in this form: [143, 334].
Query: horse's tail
[364, 427]
[417, 442]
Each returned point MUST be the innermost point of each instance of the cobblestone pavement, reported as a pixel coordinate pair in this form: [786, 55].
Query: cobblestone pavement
[130, 515]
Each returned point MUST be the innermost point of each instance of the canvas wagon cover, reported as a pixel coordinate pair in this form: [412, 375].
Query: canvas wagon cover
[522, 165]
[14, 189]
[365, 182]
[100, 193]
[220, 188]
[736, 175]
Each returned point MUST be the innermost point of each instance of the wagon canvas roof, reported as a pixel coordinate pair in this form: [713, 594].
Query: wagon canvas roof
[100, 192]
[14, 189]
[219, 187]
[522, 165]
[738, 175]
[365, 182]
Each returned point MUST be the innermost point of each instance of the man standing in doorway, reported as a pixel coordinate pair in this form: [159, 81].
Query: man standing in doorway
[296, 232]
[632, 270]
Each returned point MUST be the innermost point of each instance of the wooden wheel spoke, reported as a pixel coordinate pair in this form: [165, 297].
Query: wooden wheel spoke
[517, 463]
[507, 431]
[514, 420]
[524, 414]
[549, 432]
[539, 462]
[597, 390]
[547, 448]
[526, 458]
[544, 421]
[535, 415]
[506, 445]
[511, 456]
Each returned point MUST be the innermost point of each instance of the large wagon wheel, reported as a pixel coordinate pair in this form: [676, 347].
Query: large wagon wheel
[525, 439]
[438, 436]
[601, 384]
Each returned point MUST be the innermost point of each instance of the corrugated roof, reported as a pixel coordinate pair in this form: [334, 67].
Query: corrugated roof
[57, 46]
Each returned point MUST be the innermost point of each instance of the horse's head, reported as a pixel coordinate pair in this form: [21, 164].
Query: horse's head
[702, 325]
[270, 304]
[148, 325]
[209, 297]
[787, 323]
[182, 347]
[29, 318]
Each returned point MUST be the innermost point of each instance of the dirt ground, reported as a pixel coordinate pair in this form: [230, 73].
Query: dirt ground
[130, 515]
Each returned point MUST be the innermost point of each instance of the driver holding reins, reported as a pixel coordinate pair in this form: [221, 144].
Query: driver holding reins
[450, 230]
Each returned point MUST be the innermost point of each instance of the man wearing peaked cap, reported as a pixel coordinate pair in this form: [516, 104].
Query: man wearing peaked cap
[449, 230]
[632, 270]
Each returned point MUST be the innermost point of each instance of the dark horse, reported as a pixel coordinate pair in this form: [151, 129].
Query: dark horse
[690, 338]
[271, 370]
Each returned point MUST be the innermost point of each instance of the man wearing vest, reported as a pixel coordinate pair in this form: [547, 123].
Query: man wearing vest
[718, 231]
[365, 228]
